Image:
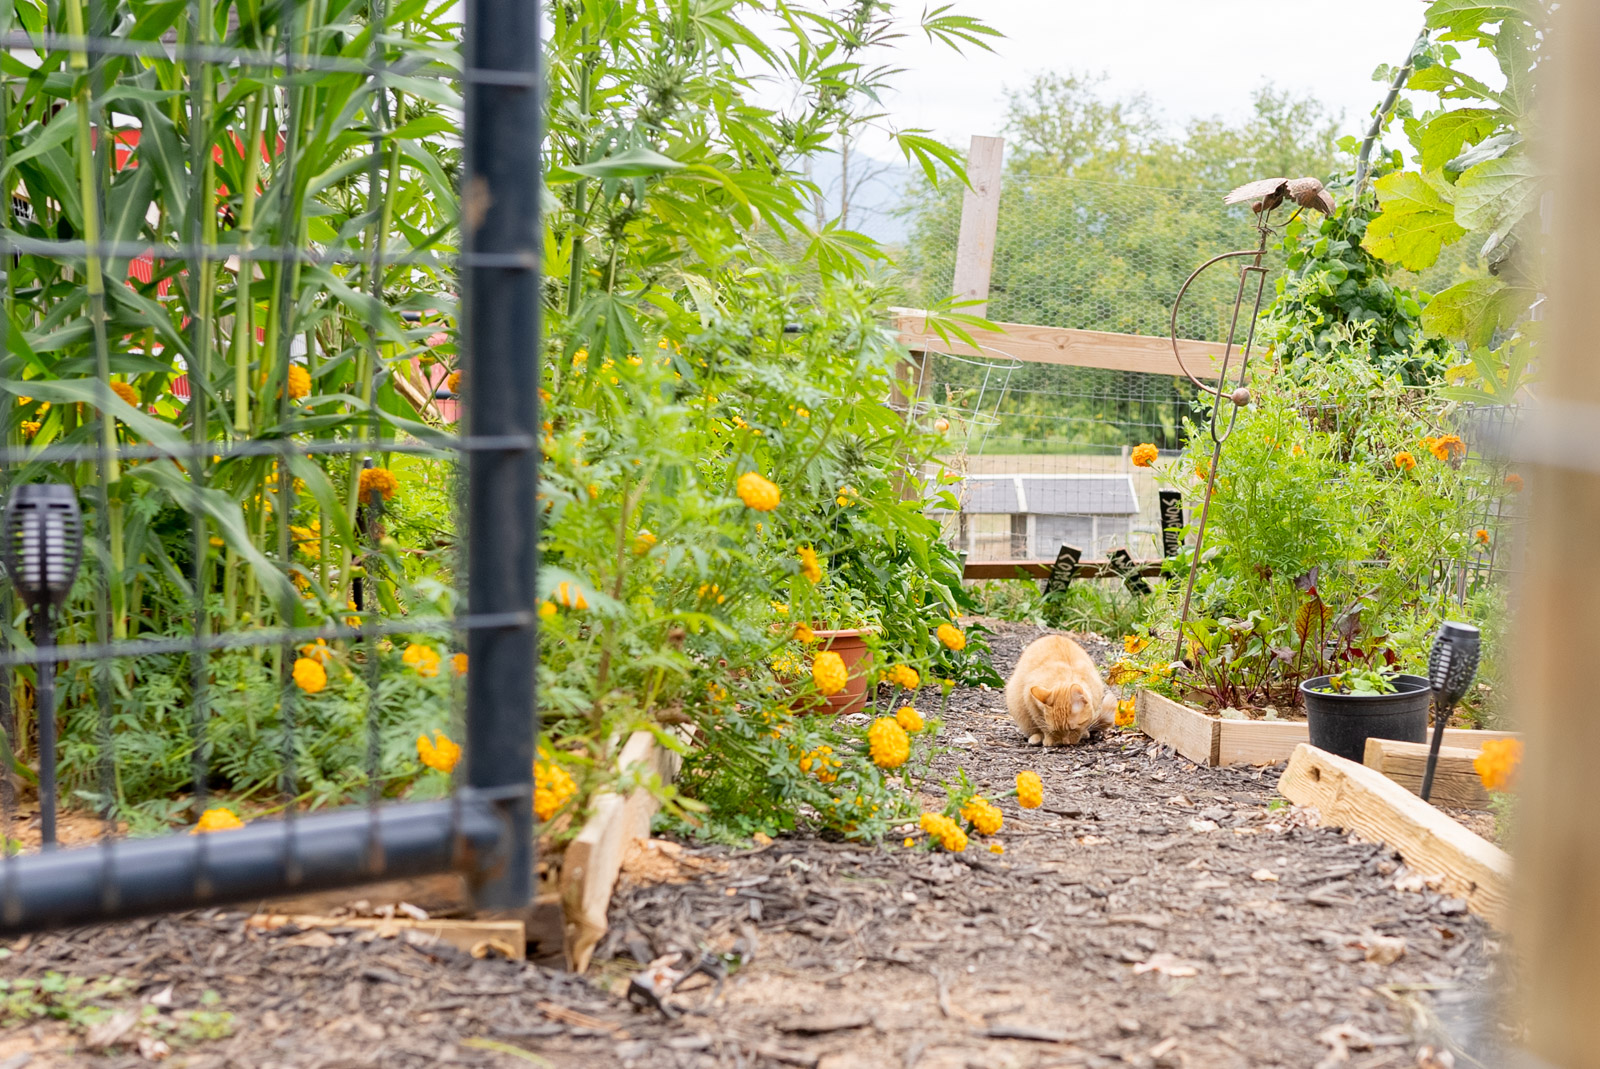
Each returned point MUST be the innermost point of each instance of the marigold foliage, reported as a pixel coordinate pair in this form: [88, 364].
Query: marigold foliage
[1030, 789]
[951, 637]
[1144, 454]
[984, 816]
[909, 719]
[889, 743]
[216, 819]
[758, 493]
[945, 831]
[440, 753]
[1497, 763]
[309, 675]
[553, 786]
[828, 672]
[376, 483]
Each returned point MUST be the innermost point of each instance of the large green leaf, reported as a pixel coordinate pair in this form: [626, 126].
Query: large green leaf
[93, 392]
[1442, 137]
[1473, 310]
[1496, 194]
[1416, 222]
[1468, 16]
[637, 162]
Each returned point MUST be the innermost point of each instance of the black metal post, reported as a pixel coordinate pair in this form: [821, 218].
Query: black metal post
[44, 636]
[499, 223]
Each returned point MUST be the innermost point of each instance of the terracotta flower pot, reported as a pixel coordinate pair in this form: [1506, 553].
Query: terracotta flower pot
[851, 646]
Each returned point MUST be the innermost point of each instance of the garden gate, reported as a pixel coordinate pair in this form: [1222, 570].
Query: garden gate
[324, 95]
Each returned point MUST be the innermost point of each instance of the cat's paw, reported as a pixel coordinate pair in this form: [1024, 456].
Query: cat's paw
[1034, 740]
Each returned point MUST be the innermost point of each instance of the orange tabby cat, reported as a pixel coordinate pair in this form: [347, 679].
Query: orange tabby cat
[1055, 694]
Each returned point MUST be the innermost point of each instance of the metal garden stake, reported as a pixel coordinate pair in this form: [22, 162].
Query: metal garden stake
[1452, 663]
[43, 549]
[1267, 195]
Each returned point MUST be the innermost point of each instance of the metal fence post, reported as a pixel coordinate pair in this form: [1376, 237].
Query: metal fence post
[499, 223]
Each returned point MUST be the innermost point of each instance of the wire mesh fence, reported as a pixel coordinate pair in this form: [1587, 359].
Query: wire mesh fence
[234, 278]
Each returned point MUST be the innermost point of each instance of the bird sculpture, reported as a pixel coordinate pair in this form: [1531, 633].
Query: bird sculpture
[1268, 193]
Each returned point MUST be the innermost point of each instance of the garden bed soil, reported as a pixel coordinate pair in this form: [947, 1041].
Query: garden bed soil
[1154, 913]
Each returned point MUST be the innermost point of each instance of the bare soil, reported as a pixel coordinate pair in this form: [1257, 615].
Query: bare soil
[1153, 914]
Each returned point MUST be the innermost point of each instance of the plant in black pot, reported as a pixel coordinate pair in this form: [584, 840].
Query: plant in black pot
[1344, 710]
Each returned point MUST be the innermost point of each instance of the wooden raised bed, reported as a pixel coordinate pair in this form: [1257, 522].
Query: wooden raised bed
[1210, 740]
[1455, 779]
[1363, 800]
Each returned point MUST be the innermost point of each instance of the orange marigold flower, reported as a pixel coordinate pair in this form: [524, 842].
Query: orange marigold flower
[1497, 763]
[1513, 481]
[425, 659]
[643, 542]
[945, 830]
[458, 663]
[439, 753]
[1404, 461]
[1125, 713]
[126, 392]
[828, 672]
[216, 819]
[1132, 644]
[309, 675]
[569, 595]
[903, 675]
[810, 567]
[1482, 535]
[951, 637]
[299, 382]
[553, 786]
[1448, 447]
[757, 493]
[318, 651]
[984, 816]
[803, 633]
[30, 427]
[452, 382]
[1144, 455]
[1030, 789]
[376, 483]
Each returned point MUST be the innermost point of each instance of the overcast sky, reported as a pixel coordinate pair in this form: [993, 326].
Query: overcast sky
[1192, 57]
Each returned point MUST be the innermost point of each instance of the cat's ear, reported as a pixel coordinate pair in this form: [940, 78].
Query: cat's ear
[1041, 695]
[1077, 698]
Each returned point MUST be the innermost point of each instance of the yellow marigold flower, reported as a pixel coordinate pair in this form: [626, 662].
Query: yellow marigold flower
[547, 609]
[298, 381]
[425, 659]
[946, 831]
[643, 542]
[996, 848]
[1125, 713]
[1132, 644]
[828, 672]
[780, 608]
[318, 651]
[821, 763]
[24, 401]
[951, 637]
[569, 595]
[452, 382]
[889, 743]
[803, 633]
[908, 718]
[440, 753]
[376, 483]
[1124, 671]
[126, 392]
[1143, 455]
[1482, 536]
[351, 621]
[908, 843]
[984, 816]
[1030, 789]
[458, 663]
[1513, 480]
[903, 675]
[580, 358]
[552, 787]
[1404, 461]
[1497, 763]
[216, 819]
[810, 567]
[309, 675]
[757, 493]
[30, 427]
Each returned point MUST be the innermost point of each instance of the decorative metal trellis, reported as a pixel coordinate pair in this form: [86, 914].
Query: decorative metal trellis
[485, 827]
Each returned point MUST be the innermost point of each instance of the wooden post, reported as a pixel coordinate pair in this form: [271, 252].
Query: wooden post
[980, 223]
[1556, 905]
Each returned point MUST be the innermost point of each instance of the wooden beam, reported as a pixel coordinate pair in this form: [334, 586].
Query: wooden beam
[1365, 801]
[1188, 731]
[1557, 931]
[478, 938]
[1040, 569]
[1070, 348]
[1455, 780]
[980, 223]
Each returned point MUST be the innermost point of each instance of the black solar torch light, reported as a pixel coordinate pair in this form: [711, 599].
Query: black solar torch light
[43, 549]
[1451, 665]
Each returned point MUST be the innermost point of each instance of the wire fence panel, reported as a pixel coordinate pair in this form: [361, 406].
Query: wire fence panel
[234, 279]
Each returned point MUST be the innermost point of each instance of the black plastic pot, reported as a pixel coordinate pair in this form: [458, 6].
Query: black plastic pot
[1342, 723]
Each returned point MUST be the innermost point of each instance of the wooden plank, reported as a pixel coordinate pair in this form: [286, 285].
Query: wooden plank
[980, 223]
[1365, 801]
[1070, 348]
[1191, 733]
[1266, 742]
[593, 860]
[1040, 569]
[478, 938]
[1455, 780]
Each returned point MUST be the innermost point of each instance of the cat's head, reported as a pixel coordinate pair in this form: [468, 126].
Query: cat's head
[1068, 713]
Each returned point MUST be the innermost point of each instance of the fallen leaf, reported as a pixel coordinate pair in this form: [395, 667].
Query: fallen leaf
[1264, 876]
[1180, 801]
[1165, 964]
[112, 1030]
[1385, 949]
[1197, 824]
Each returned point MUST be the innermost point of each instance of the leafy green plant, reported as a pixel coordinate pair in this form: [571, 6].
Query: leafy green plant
[1361, 680]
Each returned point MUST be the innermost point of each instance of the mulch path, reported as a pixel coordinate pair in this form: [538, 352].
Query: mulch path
[1153, 914]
